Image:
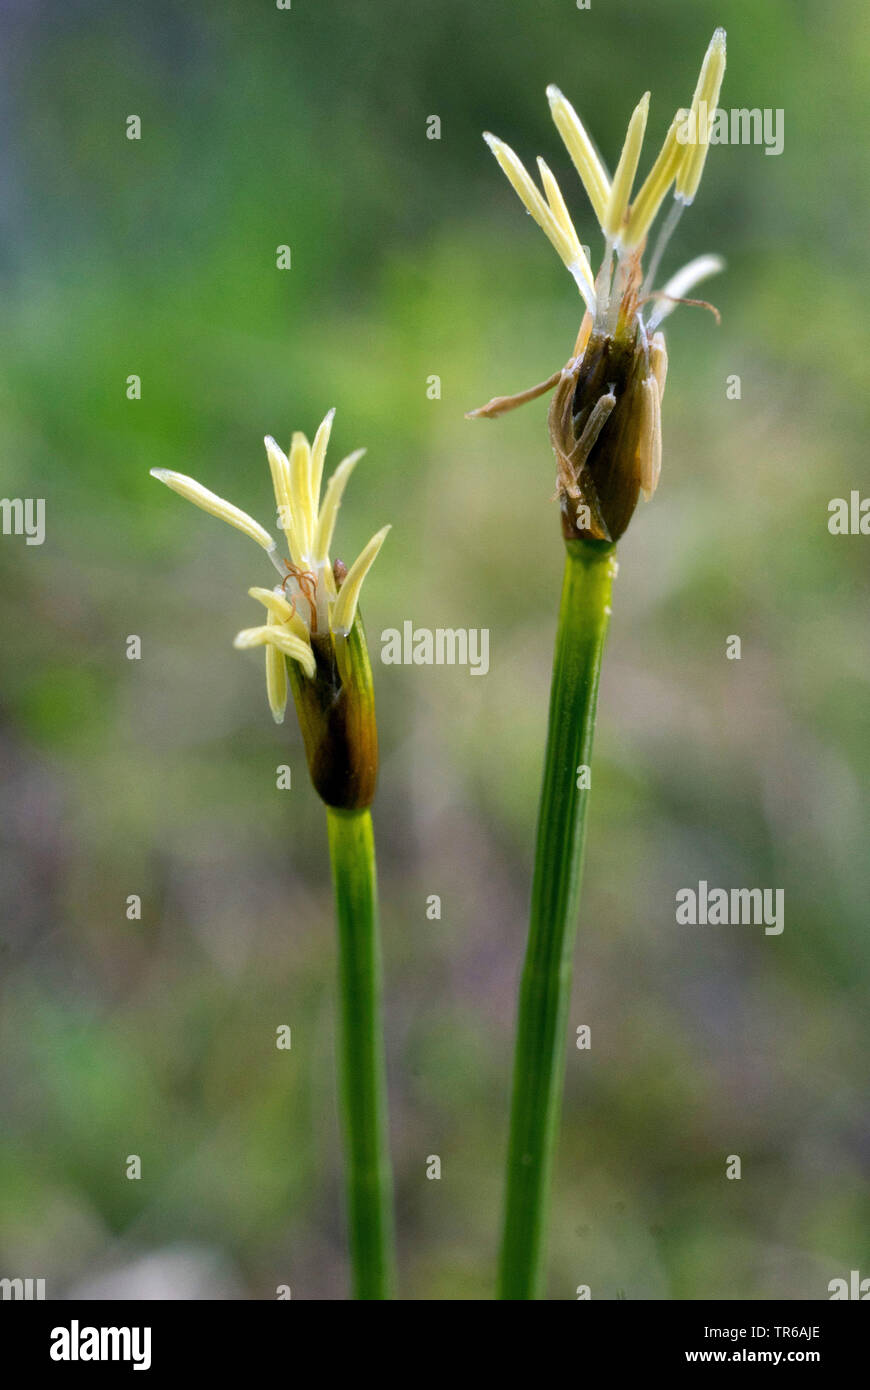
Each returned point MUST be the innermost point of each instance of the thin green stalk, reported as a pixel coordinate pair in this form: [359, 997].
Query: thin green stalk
[545, 988]
[361, 1064]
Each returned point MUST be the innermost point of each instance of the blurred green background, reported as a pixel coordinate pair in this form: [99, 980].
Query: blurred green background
[411, 257]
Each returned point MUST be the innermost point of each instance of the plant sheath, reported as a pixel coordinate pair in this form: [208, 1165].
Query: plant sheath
[545, 987]
[361, 1062]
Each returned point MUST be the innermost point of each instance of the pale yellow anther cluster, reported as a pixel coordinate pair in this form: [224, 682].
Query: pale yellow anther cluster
[625, 223]
[308, 600]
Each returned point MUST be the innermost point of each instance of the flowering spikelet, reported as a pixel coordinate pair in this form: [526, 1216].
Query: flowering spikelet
[605, 414]
[313, 635]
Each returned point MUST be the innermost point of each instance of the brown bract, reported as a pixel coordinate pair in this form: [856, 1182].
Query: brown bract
[336, 712]
[600, 424]
[596, 424]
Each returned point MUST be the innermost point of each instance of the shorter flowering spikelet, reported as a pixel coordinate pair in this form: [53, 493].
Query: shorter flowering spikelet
[605, 415]
[313, 635]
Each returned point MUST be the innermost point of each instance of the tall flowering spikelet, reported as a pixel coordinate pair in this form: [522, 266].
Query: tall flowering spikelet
[313, 635]
[605, 415]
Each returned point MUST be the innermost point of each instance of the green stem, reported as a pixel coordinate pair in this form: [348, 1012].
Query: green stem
[362, 1069]
[545, 988]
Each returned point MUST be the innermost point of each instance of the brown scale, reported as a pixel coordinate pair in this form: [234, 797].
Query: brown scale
[596, 420]
[596, 417]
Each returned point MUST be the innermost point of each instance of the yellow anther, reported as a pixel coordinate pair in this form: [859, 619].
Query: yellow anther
[344, 611]
[279, 467]
[582, 151]
[331, 503]
[656, 184]
[701, 116]
[280, 611]
[318, 454]
[626, 169]
[276, 678]
[216, 506]
[563, 217]
[565, 242]
[303, 519]
[285, 642]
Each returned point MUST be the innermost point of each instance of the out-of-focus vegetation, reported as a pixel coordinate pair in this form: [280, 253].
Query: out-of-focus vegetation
[411, 258]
